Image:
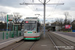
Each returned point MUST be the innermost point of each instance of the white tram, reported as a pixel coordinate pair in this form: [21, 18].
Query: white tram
[31, 28]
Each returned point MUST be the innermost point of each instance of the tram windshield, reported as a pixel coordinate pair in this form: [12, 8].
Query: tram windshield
[30, 26]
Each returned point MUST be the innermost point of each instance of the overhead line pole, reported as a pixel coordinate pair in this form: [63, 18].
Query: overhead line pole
[44, 4]
[44, 15]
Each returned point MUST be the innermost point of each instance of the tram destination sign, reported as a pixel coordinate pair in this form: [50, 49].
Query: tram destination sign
[30, 21]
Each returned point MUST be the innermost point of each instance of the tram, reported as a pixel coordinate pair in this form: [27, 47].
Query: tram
[31, 28]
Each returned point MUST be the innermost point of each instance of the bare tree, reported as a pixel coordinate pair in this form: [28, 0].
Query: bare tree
[60, 22]
[3, 16]
[67, 21]
[66, 15]
[17, 17]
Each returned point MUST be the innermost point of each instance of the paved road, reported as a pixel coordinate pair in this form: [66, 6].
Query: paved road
[67, 33]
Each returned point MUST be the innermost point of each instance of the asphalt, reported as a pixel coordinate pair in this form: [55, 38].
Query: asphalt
[72, 34]
[68, 36]
[43, 44]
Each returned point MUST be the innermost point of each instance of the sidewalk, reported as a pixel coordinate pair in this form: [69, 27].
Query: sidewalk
[6, 42]
[66, 36]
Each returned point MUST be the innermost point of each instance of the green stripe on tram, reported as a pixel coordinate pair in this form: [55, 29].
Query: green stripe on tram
[32, 38]
[29, 32]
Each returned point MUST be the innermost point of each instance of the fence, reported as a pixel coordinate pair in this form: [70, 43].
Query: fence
[5, 29]
[10, 34]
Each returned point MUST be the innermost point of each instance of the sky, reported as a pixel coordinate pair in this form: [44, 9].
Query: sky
[52, 11]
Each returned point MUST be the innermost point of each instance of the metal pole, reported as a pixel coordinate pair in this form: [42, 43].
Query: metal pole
[66, 19]
[13, 29]
[7, 28]
[3, 35]
[44, 15]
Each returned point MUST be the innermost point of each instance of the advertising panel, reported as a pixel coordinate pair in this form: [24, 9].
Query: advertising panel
[67, 26]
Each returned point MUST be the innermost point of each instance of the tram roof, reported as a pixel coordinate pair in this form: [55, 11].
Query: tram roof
[31, 19]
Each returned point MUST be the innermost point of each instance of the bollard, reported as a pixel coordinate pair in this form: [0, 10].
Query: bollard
[10, 34]
[3, 35]
[20, 33]
[17, 33]
[7, 35]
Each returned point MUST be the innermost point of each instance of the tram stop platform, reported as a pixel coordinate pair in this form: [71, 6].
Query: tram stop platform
[6, 42]
[67, 35]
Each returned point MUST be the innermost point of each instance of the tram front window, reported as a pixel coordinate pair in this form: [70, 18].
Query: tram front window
[30, 27]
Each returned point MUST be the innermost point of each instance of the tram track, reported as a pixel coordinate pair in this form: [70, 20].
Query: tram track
[17, 46]
[52, 41]
[67, 42]
[23, 45]
[27, 45]
[13, 45]
[32, 46]
[60, 43]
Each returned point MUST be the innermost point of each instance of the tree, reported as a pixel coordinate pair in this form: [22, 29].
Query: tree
[3, 16]
[60, 22]
[66, 15]
[17, 17]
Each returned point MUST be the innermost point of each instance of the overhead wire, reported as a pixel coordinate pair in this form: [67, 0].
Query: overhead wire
[56, 6]
[39, 1]
[47, 1]
[29, 6]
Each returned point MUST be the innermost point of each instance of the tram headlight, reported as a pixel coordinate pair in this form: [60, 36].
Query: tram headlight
[34, 31]
[25, 32]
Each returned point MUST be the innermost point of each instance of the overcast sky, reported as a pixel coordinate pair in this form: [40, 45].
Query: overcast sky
[52, 11]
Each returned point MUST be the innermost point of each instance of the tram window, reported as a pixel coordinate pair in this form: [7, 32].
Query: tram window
[38, 25]
[30, 22]
[31, 27]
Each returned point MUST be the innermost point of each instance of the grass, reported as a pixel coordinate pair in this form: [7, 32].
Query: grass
[67, 31]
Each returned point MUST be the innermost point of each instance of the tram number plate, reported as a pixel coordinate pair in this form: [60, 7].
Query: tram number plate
[29, 32]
